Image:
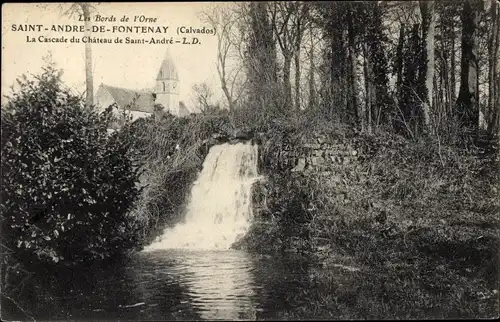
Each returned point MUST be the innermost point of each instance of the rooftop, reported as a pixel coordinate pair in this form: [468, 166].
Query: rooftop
[139, 101]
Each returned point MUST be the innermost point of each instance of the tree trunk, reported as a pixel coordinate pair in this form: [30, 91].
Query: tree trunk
[493, 62]
[261, 62]
[354, 119]
[89, 79]
[312, 93]
[367, 69]
[437, 96]
[287, 85]
[428, 26]
[447, 82]
[495, 119]
[413, 86]
[345, 83]
[468, 97]
[380, 98]
[445, 85]
[441, 89]
[298, 42]
[337, 92]
[453, 68]
[497, 77]
[226, 92]
[297, 80]
[399, 62]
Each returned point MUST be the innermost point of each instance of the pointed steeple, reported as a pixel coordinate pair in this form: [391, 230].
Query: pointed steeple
[167, 68]
[167, 85]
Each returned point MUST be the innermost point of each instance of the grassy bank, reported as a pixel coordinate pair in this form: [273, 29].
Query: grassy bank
[414, 222]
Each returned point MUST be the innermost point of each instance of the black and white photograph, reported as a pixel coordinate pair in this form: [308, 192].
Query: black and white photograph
[250, 160]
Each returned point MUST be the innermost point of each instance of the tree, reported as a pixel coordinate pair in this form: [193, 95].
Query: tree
[445, 64]
[411, 69]
[428, 26]
[312, 69]
[343, 25]
[398, 66]
[368, 72]
[335, 60]
[411, 98]
[353, 79]
[89, 78]
[261, 58]
[84, 9]
[468, 98]
[301, 24]
[493, 66]
[203, 96]
[225, 20]
[285, 36]
[288, 20]
[375, 66]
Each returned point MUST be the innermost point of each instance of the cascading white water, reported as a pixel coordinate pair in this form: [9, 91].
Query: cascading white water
[219, 208]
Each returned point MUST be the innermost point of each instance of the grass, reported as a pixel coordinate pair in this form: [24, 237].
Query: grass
[417, 289]
[419, 218]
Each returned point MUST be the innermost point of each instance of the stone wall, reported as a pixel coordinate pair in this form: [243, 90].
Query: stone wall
[321, 155]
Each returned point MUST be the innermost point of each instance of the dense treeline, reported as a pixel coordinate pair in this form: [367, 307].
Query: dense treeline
[411, 67]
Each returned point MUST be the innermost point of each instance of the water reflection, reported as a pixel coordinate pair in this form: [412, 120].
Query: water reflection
[218, 283]
[172, 285]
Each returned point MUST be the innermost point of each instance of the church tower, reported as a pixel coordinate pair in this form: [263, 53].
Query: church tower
[167, 85]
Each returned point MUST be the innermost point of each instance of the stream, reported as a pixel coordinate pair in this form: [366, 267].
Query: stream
[174, 285]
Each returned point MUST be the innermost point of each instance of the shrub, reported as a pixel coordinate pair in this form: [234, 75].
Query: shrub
[66, 184]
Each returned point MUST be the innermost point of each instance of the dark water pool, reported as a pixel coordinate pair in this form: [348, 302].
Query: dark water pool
[174, 285]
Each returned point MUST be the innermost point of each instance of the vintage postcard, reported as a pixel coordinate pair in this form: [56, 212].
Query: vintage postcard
[274, 160]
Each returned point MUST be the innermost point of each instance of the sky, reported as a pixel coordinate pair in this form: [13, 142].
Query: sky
[133, 66]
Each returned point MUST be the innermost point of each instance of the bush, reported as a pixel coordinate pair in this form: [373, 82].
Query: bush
[66, 184]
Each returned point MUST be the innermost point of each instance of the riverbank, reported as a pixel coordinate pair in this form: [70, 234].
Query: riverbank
[417, 221]
[406, 289]
[412, 222]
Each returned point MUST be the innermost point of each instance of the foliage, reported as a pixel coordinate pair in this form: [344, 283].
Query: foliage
[282, 218]
[419, 217]
[66, 184]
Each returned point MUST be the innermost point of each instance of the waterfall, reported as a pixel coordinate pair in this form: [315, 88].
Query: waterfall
[220, 206]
